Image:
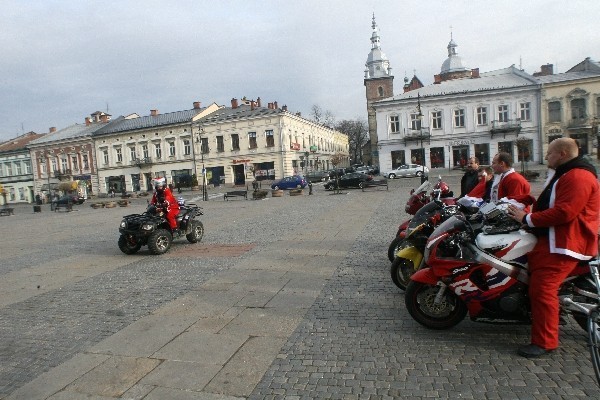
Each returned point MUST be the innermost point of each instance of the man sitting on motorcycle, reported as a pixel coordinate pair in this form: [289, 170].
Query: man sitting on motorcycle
[566, 220]
[163, 198]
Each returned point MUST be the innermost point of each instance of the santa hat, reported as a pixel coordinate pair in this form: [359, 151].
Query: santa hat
[160, 182]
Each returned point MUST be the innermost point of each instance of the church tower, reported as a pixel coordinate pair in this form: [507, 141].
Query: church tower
[379, 84]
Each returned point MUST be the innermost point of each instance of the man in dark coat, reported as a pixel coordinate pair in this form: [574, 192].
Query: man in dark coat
[470, 179]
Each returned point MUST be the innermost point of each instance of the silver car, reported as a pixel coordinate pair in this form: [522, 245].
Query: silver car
[407, 170]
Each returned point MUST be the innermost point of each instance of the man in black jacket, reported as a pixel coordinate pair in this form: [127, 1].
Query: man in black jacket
[470, 179]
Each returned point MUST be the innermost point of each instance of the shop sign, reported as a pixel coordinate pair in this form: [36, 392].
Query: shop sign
[313, 149]
[295, 146]
[460, 142]
[240, 161]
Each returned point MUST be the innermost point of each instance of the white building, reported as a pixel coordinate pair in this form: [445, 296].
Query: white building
[16, 171]
[463, 114]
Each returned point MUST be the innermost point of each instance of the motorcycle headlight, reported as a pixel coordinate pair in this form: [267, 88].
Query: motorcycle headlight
[147, 227]
[123, 224]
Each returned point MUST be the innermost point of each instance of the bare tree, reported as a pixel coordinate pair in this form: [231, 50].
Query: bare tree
[358, 134]
[322, 117]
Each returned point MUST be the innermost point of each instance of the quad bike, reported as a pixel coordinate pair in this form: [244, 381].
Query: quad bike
[151, 228]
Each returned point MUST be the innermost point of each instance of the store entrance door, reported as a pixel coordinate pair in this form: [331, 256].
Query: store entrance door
[239, 175]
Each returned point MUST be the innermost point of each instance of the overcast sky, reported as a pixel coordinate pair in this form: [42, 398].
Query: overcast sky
[63, 60]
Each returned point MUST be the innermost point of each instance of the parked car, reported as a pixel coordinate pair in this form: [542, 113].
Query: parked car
[337, 172]
[406, 170]
[68, 198]
[353, 179]
[317, 176]
[290, 182]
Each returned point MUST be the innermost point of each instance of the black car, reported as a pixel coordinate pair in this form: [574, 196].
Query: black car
[317, 176]
[353, 179]
[68, 199]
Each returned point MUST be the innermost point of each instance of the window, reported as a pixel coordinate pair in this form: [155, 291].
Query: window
[119, 154]
[554, 111]
[394, 124]
[27, 166]
[86, 163]
[415, 122]
[55, 165]
[525, 109]
[145, 151]
[63, 165]
[172, 149]
[105, 156]
[21, 194]
[235, 141]
[187, 149]
[482, 116]
[74, 163]
[598, 107]
[270, 138]
[380, 91]
[18, 170]
[252, 140]
[132, 154]
[204, 145]
[459, 118]
[436, 120]
[157, 150]
[503, 113]
[578, 109]
[220, 145]
[42, 167]
[9, 169]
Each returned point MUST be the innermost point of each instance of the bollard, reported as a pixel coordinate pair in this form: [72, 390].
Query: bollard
[309, 188]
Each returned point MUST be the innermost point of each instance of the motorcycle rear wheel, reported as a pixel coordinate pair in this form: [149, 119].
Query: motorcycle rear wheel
[197, 232]
[160, 241]
[419, 299]
[129, 245]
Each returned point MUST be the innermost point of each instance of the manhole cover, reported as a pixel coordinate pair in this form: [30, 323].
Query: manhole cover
[210, 250]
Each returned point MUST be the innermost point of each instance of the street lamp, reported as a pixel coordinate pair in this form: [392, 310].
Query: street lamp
[420, 117]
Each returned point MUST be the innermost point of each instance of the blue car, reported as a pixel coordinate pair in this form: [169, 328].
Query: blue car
[290, 182]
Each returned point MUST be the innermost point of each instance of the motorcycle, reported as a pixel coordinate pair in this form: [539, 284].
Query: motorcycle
[485, 274]
[151, 228]
[419, 198]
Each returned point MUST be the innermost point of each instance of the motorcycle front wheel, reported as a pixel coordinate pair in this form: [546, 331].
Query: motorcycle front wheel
[401, 271]
[420, 303]
[197, 232]
[160, 241]
[129, 244]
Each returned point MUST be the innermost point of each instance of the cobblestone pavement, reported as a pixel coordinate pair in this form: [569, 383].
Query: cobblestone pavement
[66, 287]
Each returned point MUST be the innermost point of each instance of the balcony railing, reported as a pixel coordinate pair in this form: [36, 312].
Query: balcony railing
[511, 125]
[575, 123]
[60, 174]
[417, 135]
[140, 162]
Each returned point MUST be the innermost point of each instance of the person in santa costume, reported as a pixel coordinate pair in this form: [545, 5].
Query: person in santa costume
[163, 197]
[565, 218]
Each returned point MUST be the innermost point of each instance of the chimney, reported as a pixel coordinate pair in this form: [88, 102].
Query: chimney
[252, 105]
[88, 121]
[258, 102]
[475, 73]
[270, 106]
[52, 129]
[284, 108]
[275, 105]
[196, 105]
[437, 79]
[234, 103]
[104, 118]
[548, 69]
[154, 113]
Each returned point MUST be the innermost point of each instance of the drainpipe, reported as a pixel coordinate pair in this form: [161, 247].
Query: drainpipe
[540, 132]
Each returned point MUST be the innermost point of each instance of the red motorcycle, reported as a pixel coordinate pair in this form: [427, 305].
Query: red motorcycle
[480, 267]
[419, 198]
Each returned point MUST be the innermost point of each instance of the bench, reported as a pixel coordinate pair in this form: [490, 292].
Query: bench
[7, 211]
[235, 193]
[380, 183]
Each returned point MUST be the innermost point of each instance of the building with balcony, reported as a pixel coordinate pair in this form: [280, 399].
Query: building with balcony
[464, 113]
[230, 145]
[570, 105]
[67, 156]
[16, 172]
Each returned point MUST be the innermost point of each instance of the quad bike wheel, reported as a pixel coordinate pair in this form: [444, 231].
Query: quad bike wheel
[160, 241]
[197, 232]
[129, 244]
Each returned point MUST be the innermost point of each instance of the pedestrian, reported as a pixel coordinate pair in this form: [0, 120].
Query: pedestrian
[484, 187]
[565, 219]
[470, 179]
[507, 182]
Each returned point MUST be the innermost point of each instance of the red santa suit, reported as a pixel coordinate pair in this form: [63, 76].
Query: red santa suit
[566, 218]
[167, 200]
